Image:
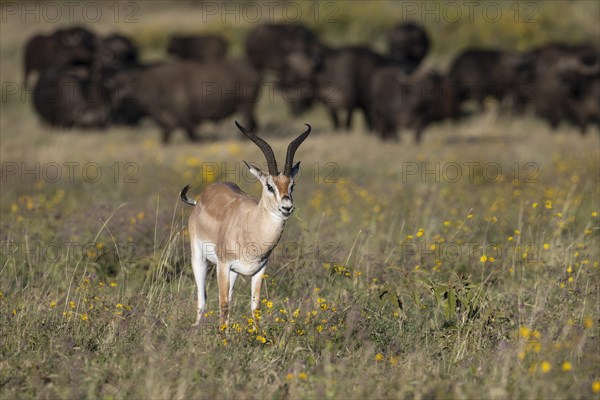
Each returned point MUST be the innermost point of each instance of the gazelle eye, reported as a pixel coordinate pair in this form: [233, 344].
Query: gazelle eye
[292, 188]
[270, 188]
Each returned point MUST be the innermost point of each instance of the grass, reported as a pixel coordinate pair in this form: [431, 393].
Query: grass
[398, 278]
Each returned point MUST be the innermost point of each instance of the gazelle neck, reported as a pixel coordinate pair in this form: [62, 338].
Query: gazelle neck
[265, 225]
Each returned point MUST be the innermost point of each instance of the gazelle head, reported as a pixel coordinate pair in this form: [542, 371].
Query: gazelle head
[277, 186]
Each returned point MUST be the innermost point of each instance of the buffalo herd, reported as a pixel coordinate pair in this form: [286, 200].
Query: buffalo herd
[89, 81]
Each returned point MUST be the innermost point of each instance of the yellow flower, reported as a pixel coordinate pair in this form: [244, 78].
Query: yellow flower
[546, 246]
[483, 258]
[378, 357]
[524, 332]
[119, 305]
[470, 216]
[261, 339]
[534, 205]
[548, 204]
[52, 304]
[569, 269]
[269, 304]
[510, 238]
[594, 214]
[527, 333]
[303, 376]
[588, 323]
[393, 361]
[567, 366]
[84, 317]
[517, 232]
[113, 284]
[545, 366]
[72, 304]
[289, 376]
[420, 232]
[140, 215]
[596, 386]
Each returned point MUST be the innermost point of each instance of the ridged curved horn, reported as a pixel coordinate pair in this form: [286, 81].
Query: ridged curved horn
[289, 159]
[264, 146]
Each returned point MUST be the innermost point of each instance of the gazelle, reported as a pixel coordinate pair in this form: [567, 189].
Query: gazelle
[238, 232]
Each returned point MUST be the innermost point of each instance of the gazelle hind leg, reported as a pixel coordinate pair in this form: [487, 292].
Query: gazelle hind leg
[223, 280]
[199, 265]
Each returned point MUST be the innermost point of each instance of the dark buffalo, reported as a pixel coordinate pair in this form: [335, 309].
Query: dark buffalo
[479, 73]
[117, 55]
[542, 84]
[68, 46]
[67, 97]
[340, 80]
[185, 94]
[401, 101]
[583, 101]
[408, 45]
[297, 90]
[269, 45]
[200, 48]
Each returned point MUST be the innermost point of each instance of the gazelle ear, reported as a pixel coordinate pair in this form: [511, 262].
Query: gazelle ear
[295, 169]
[257, 172]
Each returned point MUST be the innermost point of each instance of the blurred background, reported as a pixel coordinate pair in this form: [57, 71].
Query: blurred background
[326, 57]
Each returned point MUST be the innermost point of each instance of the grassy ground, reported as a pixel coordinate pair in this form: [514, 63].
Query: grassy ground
[466, 267]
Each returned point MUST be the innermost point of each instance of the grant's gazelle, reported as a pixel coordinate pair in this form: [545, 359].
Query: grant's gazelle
[238, 232]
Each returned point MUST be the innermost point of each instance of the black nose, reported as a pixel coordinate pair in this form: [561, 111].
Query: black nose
[286, 209]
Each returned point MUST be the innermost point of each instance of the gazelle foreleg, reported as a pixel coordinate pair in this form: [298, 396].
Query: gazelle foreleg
[232, 278]
[199, 267]
[255, 293]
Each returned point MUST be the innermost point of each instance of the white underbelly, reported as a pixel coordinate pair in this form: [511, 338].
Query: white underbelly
[246, 268]
[210, 252]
